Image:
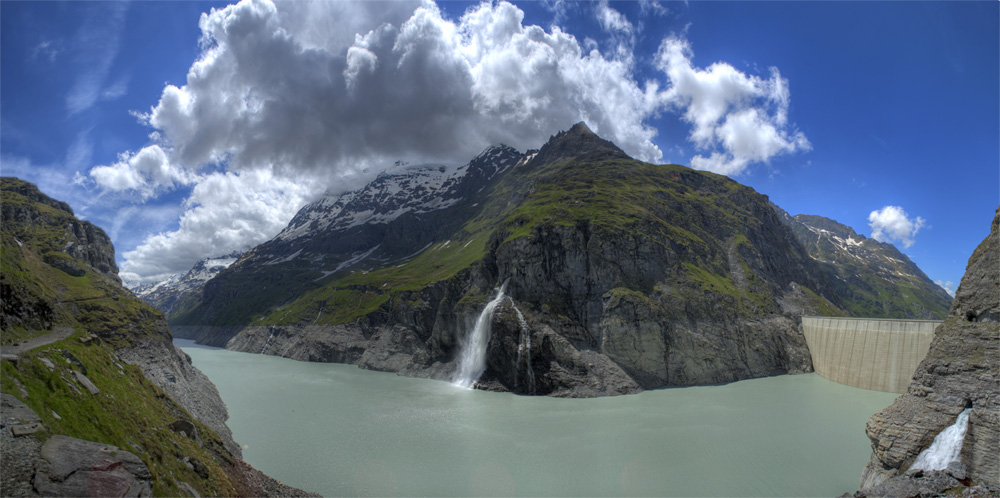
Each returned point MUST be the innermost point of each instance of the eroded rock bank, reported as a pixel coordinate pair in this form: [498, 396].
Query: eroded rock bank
[961, 370]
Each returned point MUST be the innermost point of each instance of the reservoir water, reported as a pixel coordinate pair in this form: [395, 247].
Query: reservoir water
[341, 431]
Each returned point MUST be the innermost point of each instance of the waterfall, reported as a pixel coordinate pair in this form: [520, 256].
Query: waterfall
[524, 351]
[946, 446]
[472, 359]
[268, 341]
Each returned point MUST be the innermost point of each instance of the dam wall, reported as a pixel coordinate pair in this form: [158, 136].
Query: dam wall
[870, 353]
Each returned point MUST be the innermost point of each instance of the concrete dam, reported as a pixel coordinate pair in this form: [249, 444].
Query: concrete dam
[870, 353]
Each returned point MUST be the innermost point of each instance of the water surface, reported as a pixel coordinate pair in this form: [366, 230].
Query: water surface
[339, 430]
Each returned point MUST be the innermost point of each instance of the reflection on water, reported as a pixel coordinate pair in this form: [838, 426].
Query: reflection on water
[339, 430]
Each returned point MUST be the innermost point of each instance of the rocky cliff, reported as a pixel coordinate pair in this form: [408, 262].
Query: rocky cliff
[109, 372]
[627, 275]
[873, 279]
[961, 370]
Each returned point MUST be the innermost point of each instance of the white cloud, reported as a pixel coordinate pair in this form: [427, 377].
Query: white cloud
[47, 49]
[611, 20]
[738, 119]
[891, 223]
[96, 46]
[948, 286]
[148, 171]
[652, 7]
[225, 212]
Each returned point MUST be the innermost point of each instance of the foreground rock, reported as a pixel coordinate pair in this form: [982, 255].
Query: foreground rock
[74, 467]
[962, 369]
[122, 383]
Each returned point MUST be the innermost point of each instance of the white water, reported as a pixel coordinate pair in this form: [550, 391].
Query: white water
[524, 352]
[268, 341]
[947, 446]
[472, 359]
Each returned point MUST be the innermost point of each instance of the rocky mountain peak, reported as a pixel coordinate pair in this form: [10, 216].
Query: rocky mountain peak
[30, 192]
[30, 217]
[832, 226]
[581, 143]
[978, 295]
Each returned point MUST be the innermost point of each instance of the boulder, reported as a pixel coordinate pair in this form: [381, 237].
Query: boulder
[74, 467]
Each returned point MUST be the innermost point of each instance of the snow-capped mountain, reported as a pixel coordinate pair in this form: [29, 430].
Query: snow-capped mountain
[167, 294]
[399, 190]
[323, 232]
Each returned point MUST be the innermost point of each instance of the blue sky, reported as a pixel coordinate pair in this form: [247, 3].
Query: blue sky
[187, 133]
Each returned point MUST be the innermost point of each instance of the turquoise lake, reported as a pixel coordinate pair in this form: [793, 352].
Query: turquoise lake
[341, 431]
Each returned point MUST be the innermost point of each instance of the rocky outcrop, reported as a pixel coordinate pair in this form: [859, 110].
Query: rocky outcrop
[82, 241]
[961, 370]
[74, 467]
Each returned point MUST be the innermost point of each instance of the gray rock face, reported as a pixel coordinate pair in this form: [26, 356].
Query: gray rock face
[962, 369]
[74, 467]
[171, 370]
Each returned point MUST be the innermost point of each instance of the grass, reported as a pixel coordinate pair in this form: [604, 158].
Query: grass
[129, 412]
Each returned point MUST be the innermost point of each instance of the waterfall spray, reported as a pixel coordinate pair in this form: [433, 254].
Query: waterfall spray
[947, 446]
[524, 351]
[472, 359]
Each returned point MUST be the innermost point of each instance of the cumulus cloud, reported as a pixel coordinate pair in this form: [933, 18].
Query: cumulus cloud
[891, 223]
[226, 211]
[147, 172]
[737, 119]
[948, 286]
[427, 88]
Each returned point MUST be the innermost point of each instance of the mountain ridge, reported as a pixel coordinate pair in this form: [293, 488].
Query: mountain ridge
[595, 245]
[874, 279]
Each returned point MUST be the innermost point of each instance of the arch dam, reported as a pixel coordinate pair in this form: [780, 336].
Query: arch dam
[870, 353]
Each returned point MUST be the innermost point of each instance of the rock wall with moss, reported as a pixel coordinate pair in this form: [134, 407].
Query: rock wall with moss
[113, 376]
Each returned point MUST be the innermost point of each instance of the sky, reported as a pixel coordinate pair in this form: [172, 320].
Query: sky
[189, 129]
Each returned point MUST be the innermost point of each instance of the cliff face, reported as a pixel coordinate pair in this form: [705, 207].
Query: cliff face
[112, 373]
[627, 275]
[961, 370]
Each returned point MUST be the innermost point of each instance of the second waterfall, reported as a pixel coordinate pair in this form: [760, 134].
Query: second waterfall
[472, 359]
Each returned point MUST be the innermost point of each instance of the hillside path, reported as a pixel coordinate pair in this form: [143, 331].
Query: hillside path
[57, 334]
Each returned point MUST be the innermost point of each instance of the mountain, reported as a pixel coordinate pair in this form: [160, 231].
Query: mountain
[960, 372]
[183, 290]
[872, 278]
[102, 401]
[403, 211]
[627, 275]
